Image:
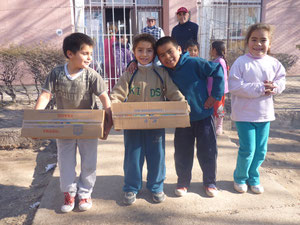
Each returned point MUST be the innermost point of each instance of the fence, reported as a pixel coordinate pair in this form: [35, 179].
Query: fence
[226, 20]
[112, 24]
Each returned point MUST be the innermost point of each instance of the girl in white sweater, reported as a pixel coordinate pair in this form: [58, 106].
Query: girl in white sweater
[253, 80]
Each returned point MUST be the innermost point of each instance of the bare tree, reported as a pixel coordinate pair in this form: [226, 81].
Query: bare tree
[9, 68]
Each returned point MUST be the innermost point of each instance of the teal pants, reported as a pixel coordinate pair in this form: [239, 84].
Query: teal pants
[141, 145]
[253, 139]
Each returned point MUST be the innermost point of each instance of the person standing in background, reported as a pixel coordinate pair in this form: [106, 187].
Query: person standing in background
[152, 29]
[185, 30]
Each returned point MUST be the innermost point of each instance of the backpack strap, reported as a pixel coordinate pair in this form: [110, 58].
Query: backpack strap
[161, 80]
[131, 79]
[133, 75]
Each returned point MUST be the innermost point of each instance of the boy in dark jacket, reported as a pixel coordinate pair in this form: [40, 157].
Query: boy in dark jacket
[190, 75]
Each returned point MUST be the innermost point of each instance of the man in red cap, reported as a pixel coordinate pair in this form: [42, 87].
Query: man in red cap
[185, 30]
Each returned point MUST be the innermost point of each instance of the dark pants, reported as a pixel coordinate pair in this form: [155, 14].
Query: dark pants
[203, 131]
[141, 144]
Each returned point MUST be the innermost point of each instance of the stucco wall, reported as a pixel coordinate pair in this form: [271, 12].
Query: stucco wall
[28, 21]
[285, 16]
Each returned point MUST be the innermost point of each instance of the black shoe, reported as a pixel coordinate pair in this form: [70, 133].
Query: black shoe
[129, 198]
[158, 197]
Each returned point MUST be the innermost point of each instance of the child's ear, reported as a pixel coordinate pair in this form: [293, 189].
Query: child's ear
[70, 54]
[179, 49]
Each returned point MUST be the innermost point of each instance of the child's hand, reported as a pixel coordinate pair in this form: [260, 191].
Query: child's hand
[209, 102]
[107, 123]
[132, 67]
[269, 87]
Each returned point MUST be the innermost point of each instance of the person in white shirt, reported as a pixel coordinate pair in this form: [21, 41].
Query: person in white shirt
[253, 80]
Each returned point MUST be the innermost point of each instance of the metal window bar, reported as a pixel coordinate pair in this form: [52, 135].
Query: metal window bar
[226, 20]
[97, 27]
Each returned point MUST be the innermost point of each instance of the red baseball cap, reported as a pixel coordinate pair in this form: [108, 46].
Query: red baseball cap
[182, 9]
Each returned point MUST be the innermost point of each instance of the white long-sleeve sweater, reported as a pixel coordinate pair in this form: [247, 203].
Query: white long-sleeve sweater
[246, 85]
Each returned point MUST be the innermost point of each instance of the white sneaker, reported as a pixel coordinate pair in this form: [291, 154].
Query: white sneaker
[181, 191]
[85, 204]
[69, 203]
[257, 189]
[241, 188]
[211, 191]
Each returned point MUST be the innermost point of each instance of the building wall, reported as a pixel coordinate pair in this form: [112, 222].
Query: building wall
[169, 11]
[27, 22]
[285, 16]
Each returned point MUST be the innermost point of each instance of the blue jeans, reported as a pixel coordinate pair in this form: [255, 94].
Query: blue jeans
[141, 144]
[203, 132]
[253, 139]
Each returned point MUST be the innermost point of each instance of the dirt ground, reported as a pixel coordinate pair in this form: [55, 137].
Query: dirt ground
[283, 158]
[23, 176]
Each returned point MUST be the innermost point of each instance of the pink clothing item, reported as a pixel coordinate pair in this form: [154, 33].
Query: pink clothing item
[210, 79]
[109, 56]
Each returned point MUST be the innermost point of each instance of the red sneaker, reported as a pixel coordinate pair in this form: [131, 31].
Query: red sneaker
[68, 206]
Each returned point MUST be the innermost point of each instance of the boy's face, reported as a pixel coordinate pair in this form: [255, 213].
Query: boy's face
[193, 50]
[169, 55]
[82, 58]
[144, 52]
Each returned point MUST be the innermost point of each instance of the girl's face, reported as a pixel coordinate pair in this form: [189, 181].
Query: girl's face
[259, 43]
[144, 52]
[213, 53]
[193, 50]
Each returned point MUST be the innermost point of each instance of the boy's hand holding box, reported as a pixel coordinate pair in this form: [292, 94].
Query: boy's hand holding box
[63, 124]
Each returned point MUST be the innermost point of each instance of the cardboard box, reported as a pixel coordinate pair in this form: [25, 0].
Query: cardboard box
[63, 124]
[150, 115]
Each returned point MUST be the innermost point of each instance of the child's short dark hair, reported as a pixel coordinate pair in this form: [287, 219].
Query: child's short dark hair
[165, 40]
[143, 37]
[191, 43]
[74, 42]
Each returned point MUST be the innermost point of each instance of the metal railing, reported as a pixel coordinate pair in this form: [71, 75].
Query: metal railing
[226, 20]
[110, 22]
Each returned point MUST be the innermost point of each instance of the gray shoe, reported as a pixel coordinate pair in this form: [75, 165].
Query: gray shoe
[129, 198]
[158, 197]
